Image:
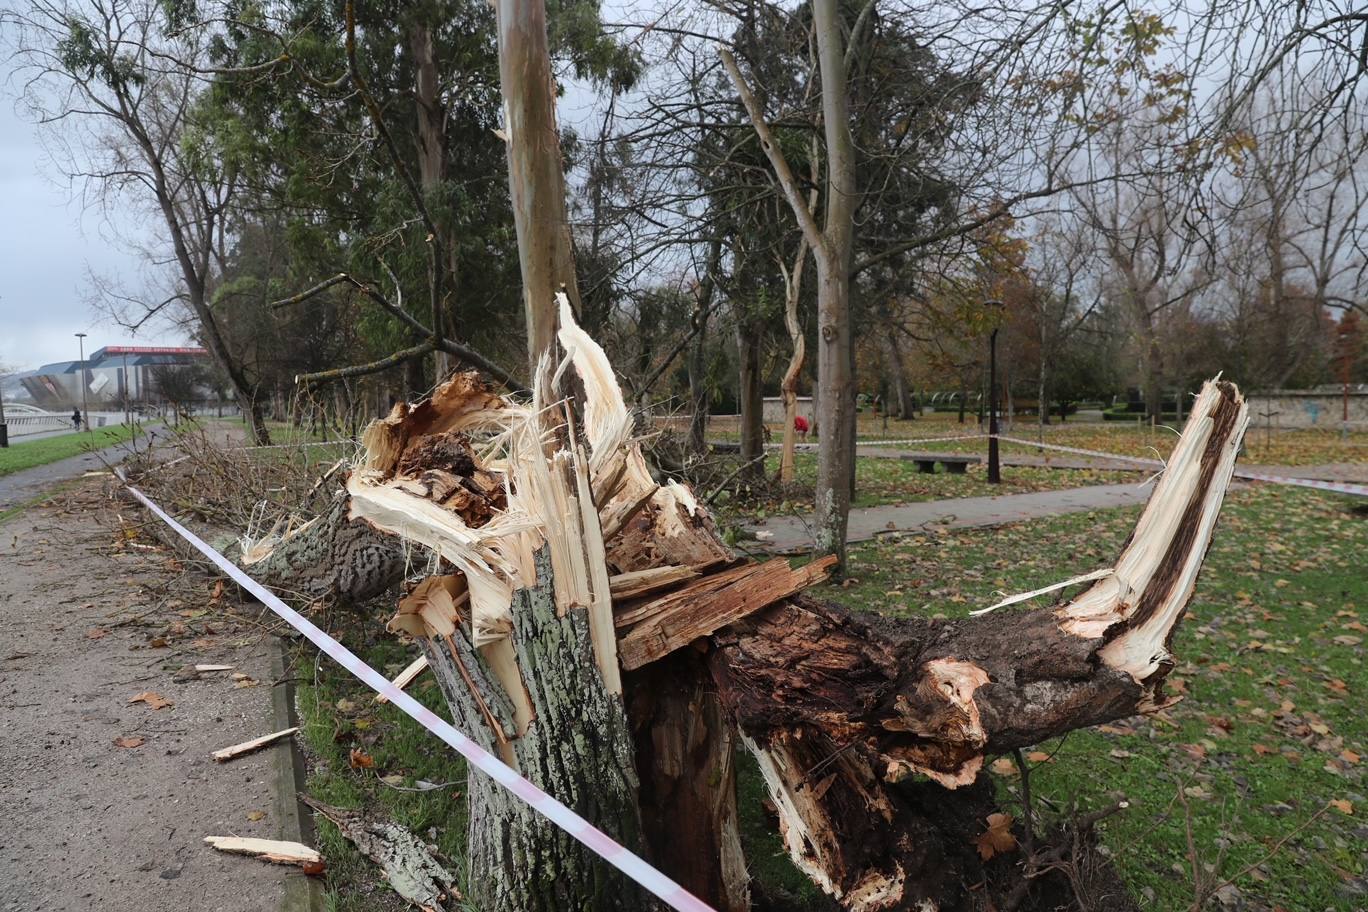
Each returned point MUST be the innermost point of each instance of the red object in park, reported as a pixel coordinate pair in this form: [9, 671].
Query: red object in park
[800, 424]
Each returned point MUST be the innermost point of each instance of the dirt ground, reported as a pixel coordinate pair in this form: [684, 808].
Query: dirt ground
[90, 619]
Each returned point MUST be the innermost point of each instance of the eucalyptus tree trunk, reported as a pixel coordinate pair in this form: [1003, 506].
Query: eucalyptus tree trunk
[832, 248]
[432, 172]
[835, 343]
[536, 178]
[525, 864]
[902, 390]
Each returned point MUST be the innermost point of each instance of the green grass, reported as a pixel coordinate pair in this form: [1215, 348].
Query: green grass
[1272, 666]
[338, 715]
[26, 455]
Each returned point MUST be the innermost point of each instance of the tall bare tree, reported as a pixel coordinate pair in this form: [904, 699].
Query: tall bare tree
[115, 82]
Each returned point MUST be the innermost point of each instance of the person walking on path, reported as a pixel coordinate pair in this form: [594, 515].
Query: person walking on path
[76, 418]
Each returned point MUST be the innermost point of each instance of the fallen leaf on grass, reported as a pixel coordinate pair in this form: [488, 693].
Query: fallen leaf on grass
[1038, 757]
[129, 741]
[1350, 757]
[361, 760]
[1341, 805]
[1262, 750]
[998, 838]
[1003, 766]
[153, 700]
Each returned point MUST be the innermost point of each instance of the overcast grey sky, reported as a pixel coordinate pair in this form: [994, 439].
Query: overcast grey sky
[47, 245]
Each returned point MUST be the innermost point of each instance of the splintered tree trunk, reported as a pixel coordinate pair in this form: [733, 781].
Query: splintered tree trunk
[872, 734]
[521, 861]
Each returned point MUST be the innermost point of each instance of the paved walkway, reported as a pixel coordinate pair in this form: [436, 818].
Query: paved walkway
[93, 823]
[790, 534]
[26, 484]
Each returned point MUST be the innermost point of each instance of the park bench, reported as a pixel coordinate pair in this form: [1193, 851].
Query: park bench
[954, 463]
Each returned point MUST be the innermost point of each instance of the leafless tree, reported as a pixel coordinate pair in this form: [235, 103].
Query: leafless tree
[125, 120]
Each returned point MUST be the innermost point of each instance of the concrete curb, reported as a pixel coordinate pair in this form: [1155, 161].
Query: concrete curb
[302, 893]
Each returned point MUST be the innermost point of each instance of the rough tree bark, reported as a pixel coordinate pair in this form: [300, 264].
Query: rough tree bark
[751, 399]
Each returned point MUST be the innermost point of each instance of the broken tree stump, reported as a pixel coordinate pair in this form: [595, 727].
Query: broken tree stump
[565, 564]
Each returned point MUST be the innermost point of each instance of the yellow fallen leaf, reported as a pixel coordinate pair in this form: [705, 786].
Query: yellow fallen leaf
[1342, 805]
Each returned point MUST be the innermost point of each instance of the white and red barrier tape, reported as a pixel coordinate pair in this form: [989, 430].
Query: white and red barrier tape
[1342, 487]
[877, 443]
[598, 842]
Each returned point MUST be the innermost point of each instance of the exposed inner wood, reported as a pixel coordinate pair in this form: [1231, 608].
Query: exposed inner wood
[253, 745]
[865, 728]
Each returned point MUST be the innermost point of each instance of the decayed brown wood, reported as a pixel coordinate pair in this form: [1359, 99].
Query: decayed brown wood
[838, 709]
[677, 619]
[686, 750]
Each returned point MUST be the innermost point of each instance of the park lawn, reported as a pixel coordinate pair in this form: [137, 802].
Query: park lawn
[1302, 446]
[880, 481]
[1271, 665]
[20, 455]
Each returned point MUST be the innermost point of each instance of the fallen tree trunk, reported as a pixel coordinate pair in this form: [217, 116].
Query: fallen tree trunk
[871, 733]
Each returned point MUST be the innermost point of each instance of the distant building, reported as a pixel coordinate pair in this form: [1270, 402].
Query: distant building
[108, 374]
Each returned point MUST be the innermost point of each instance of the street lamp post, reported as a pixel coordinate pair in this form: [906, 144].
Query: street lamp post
[85, 402]
[994, 468]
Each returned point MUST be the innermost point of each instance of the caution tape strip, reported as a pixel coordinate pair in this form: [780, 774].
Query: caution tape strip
[1342, 487]
[877, 443]
[598, 842]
